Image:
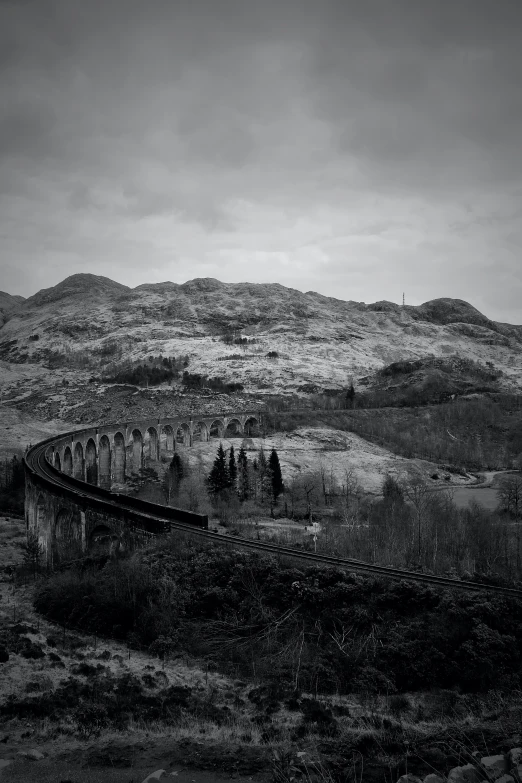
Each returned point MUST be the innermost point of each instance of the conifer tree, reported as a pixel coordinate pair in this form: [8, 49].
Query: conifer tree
[232, 468]
[276, 475]
[255, 477]
[174, 474]
[266, 486]
[392, 490]
[33, 552]
[264, 480]
[350, 396]
[261, 462]
[218, 478]
[177, 467]
[243, 476]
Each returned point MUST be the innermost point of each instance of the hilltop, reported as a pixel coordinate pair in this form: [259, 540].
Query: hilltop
[8, 305]
[93, 287]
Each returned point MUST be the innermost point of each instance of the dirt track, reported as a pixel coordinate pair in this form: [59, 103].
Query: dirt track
[122, 763]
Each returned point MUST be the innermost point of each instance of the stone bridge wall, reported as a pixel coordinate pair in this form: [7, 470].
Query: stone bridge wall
[105, 455]
[70, 523]
[66, 525]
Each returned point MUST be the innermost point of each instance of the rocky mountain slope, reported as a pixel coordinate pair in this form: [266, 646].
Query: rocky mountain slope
[316, 342]
[8, 305]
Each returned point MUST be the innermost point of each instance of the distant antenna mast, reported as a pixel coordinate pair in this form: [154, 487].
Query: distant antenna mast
[403, 300]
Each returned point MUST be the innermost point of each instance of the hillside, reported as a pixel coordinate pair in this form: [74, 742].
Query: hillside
[8, 305]
[88, 322]
[84, 286]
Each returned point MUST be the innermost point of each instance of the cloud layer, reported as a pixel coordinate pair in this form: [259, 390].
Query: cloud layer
[356, 149]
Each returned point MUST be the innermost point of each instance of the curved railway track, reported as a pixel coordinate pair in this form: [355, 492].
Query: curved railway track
[38, 464]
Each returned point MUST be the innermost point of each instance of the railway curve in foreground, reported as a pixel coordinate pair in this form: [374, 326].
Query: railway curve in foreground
[70, 514]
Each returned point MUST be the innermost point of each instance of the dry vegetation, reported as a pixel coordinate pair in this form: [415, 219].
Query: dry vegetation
[86, 323]
[97, 705]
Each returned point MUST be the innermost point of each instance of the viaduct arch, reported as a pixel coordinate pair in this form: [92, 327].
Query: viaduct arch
[103, 458]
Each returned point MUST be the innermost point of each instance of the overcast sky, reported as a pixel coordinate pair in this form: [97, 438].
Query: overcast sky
[359, 148]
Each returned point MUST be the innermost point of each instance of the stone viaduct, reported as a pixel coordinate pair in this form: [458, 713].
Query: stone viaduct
[106, 455]
[73, 481]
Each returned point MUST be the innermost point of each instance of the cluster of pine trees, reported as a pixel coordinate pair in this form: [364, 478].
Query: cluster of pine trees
[198, 381]
[260, 479]
[156, 370]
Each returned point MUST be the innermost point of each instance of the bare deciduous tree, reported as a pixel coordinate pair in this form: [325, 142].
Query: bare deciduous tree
[418, 493]
[509, 495]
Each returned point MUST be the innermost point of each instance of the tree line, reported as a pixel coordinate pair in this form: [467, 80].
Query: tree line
[158, 369]
[12, 485]
[198, 381]
[413, 524]
[479, 433]
[244, 478]
[231, 483]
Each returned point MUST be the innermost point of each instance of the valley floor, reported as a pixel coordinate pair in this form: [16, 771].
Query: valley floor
[341, 455]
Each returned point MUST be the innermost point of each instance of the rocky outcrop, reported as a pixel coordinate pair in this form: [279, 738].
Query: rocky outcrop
[8, 305]
[33, 754]
[448, 311]
[502, 768]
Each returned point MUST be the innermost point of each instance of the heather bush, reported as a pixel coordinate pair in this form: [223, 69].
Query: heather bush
[313, 629]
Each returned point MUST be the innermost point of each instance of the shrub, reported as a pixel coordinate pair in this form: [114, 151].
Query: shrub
[196, 381]
[159, 369]
[398, 704]
[12, 486]
[253, 615]
[91, 720]
[32, 651]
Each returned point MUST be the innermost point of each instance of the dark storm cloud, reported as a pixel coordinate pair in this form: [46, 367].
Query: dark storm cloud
[296, 140]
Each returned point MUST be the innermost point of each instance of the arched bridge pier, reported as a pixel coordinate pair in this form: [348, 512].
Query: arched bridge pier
[105, 456]
[72, 502]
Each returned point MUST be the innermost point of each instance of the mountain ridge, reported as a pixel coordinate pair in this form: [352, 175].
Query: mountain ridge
[8, 304]
[442, 310]
[318, 341]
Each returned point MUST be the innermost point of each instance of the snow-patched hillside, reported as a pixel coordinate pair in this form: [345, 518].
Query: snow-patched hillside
[320, 341]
